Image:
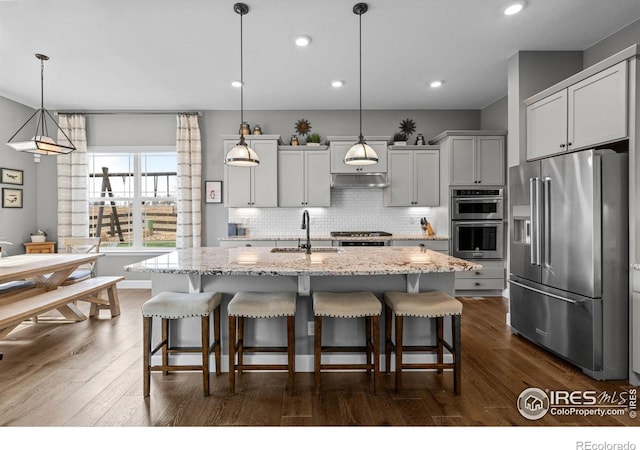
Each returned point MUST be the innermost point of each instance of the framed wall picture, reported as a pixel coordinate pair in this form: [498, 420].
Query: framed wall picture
[213, 191]
[11, 198]
[12, 176]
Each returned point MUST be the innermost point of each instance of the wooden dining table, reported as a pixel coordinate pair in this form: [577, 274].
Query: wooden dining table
[47, 271]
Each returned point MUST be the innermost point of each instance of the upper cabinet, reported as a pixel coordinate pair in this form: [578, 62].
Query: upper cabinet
[475, 157]
[414, 176]
[253, 186]
[340, 145]
[303, 176]
[587, 113]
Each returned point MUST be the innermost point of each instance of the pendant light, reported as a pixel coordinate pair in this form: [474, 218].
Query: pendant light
[360, 154]
[41, 143]
[241, 155]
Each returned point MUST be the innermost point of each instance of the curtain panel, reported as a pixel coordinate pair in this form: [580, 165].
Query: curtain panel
[188, 145]
[73, 176]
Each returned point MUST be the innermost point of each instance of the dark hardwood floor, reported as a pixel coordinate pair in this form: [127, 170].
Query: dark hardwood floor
[90, 374]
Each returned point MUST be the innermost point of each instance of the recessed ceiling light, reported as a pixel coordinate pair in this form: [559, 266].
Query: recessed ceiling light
[236, 83]
[513, 8]
[337, 83]
[302, 41]
[436, 83]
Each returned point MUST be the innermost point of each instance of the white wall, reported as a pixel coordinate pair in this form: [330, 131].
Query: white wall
[610, 45]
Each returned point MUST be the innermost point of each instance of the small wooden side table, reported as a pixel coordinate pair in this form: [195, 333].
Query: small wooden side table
[39, 247]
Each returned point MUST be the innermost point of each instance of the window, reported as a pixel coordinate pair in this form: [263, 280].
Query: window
[132, 196]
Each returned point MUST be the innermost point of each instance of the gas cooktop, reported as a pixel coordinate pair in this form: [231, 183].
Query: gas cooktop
[359, 233]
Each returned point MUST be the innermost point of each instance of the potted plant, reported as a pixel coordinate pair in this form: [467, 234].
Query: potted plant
[39, 236]
[313, 139]
[399, 139]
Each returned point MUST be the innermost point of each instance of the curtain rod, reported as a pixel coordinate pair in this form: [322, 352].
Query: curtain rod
[130, 112]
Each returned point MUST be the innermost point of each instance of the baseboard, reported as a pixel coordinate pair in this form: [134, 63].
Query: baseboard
[134, 284]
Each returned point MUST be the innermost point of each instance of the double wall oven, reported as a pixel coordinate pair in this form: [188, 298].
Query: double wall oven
[477, 223]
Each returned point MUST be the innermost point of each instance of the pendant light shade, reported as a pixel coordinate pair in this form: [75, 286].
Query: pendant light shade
[41, 142]
[241, 155]
[360, 154]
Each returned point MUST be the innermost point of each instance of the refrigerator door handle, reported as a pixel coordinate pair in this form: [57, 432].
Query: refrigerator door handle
[536, 231]
[548, 294]
[546, 214]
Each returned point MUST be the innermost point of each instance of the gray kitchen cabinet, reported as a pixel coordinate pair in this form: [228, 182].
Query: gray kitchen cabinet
[438, 245]
[490, 278]
[414, 176]
[304, 177]
[340, 145]
[475, 157]
[587, 113]
[253, 186]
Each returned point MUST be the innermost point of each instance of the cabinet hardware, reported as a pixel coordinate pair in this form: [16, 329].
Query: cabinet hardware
[562, 146]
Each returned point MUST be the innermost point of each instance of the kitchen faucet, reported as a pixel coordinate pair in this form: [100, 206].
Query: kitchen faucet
[305, 226]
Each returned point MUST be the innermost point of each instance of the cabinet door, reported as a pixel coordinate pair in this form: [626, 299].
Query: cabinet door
[462, 154]
[401, 170]
[490, 166]
[291, 178]
[317, 178]
[547, 126]
[427, 177]
[264, 181]
[237, 189]
[598, 108]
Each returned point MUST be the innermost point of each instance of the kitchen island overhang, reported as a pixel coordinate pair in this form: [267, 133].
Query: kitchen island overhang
[412, 262]
[229, 270]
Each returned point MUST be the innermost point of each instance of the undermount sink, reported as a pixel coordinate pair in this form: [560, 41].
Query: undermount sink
[302, 250]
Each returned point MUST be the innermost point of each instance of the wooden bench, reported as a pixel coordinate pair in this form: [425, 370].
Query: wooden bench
[14, 311]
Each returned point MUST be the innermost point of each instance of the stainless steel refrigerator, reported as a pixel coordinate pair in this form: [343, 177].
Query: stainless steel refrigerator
[568, 281]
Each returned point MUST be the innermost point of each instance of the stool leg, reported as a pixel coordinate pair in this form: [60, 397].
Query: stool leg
[376, 353]
[457, 357]
[399, 324]
[232, 354]
[216, 337]
[291, 351]
[204, 321]
[368, 341]
[165, 347]
[317, 352]
[146, 349]
[387, 339]
[240, 344]
[440, 338]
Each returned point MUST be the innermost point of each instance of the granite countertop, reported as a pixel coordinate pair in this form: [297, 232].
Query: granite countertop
[260, 261]
[395, 237]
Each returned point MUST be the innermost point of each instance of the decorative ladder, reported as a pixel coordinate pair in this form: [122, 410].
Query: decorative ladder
[113, 216]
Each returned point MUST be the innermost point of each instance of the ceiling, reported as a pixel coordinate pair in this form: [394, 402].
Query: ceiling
[183, 54]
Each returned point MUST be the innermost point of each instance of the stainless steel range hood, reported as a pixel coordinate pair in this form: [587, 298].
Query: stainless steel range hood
[360, 180]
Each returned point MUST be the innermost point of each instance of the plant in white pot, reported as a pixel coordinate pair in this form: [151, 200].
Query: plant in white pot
[399, 139]
[313, 139]
[39, 236]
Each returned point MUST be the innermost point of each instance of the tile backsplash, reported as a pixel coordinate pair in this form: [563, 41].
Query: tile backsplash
[351, 210]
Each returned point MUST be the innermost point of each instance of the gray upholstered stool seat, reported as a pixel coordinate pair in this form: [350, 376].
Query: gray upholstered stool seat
[348, 305]
[432, 305]
[168, 306]
[260, 305]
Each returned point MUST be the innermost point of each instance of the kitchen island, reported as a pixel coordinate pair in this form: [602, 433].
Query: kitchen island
[229, 270]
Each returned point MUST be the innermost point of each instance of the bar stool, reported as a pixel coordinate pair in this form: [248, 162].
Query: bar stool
[430, 305]
[350, 305]
[170, 306]
[260, 305]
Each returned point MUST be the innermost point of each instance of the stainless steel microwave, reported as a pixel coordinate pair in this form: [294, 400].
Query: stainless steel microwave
[478, 239]
[477, 204]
